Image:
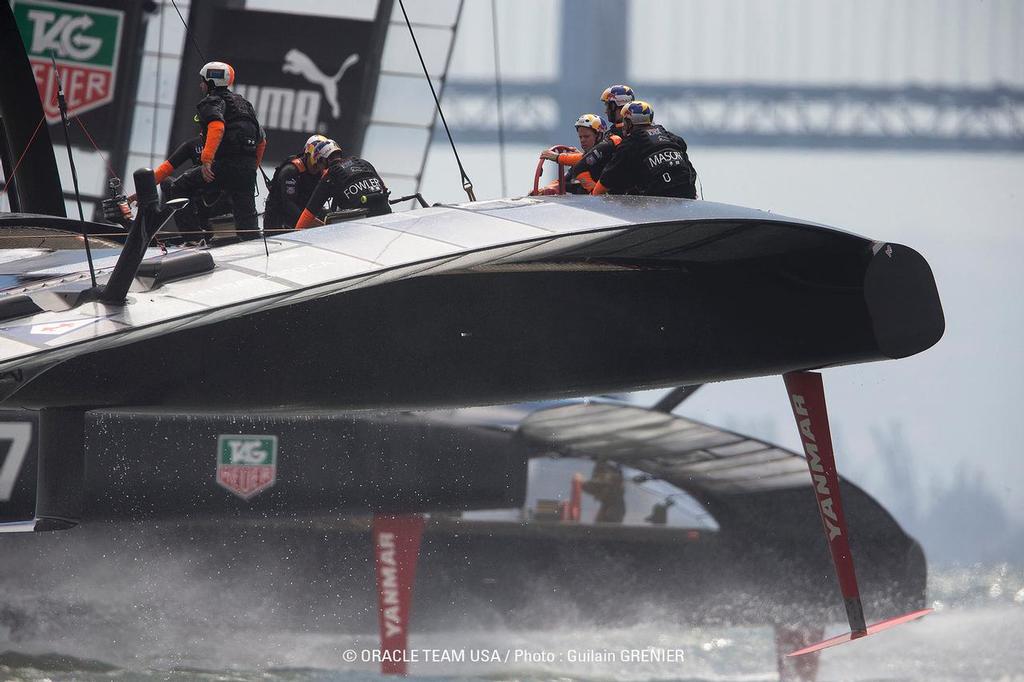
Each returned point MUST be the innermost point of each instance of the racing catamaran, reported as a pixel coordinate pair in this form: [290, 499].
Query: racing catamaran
[447, 306]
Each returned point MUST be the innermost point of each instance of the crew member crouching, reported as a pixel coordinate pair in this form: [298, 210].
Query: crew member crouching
[650, 160]
[350, 181]
[292, 187]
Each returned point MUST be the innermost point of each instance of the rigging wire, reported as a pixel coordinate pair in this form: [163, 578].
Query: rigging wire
[96, 148]
[497, 83]
[188, 32]
[202, 56]
[122, 235]
[156, 87]
[467, 184]
[62, 105]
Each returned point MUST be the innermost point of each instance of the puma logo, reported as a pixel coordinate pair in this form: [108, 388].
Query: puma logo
[300, 64]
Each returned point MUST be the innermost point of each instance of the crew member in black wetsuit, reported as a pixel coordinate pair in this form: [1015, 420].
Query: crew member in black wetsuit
[650, 160]
[292, 187]
[233, 144]
[592, 164]
[204, 201]
[350, 181]
[201, 205]
[614, 98]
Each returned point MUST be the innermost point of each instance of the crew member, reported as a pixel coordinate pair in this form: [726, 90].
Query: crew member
[590, 129]
[349, 181]
[189, 150]
[591, 165]
[201, 205]
[607, 486]
[204, 201]
[233, 145]
[650, 160]
[292, 186]
[614, 98]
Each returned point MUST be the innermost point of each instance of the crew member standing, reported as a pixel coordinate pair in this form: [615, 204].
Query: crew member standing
[607, 486]
[650, 160]
[233, 144]
[350, 181]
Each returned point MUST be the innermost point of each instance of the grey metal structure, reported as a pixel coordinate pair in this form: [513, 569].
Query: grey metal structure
[954, 114]
[738, 115]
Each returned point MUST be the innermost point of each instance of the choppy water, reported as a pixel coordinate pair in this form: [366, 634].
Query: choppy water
[132, 611]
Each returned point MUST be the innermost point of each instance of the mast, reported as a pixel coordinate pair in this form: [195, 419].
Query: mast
[38, 185]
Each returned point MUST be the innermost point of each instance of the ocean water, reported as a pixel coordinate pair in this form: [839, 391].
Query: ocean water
[971, 643]
[88, 606]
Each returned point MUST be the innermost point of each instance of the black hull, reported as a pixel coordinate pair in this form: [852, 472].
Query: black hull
[725, 302]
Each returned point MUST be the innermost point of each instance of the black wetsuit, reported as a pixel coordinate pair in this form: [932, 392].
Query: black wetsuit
[290, 190]
[596, 158]
[234, 165]
[351, 183]
[651, 161]
[204, 200]
[189, 150]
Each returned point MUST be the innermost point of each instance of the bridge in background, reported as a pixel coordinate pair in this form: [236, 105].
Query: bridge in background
[973, 102]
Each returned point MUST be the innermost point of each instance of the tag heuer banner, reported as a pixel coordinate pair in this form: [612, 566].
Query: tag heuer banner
[246, 465]
[94, 43]
[303, 75]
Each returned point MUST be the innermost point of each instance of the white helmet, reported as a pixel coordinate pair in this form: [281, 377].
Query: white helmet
[592, 121]
[321, 152]
[222, 74]
[313, 139]
[309, 150]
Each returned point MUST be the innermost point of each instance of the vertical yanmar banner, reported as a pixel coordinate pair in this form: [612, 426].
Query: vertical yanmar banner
[303, 75]
[396, 546]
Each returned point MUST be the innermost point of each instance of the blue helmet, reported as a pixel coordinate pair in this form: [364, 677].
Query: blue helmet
[618, 95]
[637, 112]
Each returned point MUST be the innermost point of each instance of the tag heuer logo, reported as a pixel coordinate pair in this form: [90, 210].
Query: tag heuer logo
[246, 465]
[85, 41]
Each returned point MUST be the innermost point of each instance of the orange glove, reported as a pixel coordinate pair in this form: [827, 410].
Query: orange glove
[307, 219]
